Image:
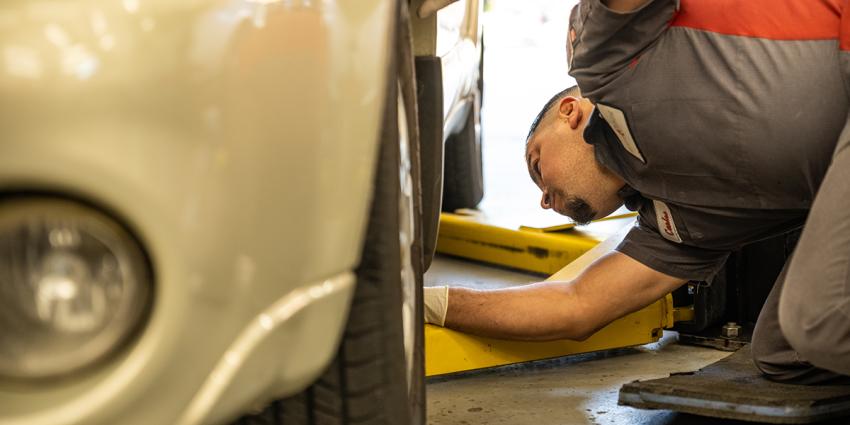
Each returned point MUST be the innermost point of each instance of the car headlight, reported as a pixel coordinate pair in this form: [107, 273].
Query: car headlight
[74, 285]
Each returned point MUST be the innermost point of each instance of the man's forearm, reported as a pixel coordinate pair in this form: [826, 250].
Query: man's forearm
[573, 308]
[540, 311]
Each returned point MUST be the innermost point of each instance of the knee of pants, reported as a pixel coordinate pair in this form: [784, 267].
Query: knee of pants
[819, 333]
[775, 361]
[763, 361]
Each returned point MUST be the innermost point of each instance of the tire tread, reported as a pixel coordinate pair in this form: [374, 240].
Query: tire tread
[360, 386]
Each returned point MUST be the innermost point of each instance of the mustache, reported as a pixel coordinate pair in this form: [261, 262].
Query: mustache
[575, 207]
[579, 210]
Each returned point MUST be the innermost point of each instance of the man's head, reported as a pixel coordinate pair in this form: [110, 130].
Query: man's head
[564, 167]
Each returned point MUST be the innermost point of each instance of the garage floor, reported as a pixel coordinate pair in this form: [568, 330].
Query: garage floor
[572, 390]
[579, 389]
[525, 65]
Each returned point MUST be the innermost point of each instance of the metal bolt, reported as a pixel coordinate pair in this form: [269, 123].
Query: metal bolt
[731, 330]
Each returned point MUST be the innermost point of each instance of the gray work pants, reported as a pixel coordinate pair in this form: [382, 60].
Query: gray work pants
[803, 332]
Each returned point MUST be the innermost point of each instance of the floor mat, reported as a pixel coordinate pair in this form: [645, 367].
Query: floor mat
[733, 388]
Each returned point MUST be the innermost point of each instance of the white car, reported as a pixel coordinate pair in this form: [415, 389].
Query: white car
[210, 212]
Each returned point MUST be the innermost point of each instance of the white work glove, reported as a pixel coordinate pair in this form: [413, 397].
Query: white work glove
[428, 7]
[436, 301]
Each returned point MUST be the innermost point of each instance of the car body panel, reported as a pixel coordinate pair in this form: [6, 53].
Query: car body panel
[458, 44]
[236, 140]
[450, 40]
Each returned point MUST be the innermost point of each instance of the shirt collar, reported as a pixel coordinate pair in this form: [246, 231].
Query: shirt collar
[598, 133]
[631, 197]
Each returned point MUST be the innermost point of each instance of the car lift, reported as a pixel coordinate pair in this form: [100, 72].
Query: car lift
[560, 249]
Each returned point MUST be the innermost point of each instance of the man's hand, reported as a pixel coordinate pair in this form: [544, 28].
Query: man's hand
[436, 300]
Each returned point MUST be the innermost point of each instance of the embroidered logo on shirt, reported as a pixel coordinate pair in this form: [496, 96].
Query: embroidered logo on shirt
[666, 225]
[617, 120]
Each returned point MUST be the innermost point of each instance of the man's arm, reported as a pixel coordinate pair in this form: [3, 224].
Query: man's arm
[612, 287]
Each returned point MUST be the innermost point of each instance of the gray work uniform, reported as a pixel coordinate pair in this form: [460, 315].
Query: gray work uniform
[726, 119]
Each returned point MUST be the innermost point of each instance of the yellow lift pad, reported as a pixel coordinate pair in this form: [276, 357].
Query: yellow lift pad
[542, 250]
[536, 250]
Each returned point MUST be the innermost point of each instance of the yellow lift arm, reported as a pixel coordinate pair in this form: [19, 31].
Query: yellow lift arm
[538, 250]
[542, 250]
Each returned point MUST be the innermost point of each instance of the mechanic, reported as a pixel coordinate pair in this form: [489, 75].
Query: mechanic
[718, 122]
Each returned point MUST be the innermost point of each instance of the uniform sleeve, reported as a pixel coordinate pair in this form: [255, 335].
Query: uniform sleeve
[644, 244]
[607, 41]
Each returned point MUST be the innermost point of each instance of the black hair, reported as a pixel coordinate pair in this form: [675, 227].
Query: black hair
[570, 91]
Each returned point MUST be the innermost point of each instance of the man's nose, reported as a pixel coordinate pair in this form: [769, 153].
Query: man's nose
[545, 203]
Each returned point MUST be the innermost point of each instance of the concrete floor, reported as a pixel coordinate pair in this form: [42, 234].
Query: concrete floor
[571, 390]
[525, 65]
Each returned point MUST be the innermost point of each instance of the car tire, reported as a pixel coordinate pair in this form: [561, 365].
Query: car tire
[377, 376]
[463, 178]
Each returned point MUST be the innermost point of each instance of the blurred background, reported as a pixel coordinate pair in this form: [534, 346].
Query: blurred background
[525, 64]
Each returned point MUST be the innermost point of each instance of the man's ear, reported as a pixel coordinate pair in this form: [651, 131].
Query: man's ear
[570, 111]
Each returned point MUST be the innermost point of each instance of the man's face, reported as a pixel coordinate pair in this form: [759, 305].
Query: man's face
[564, 167]
[552, 165]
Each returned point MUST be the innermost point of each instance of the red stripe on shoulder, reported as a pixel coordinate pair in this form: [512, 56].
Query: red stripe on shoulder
[771, 19]
[844, 32]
